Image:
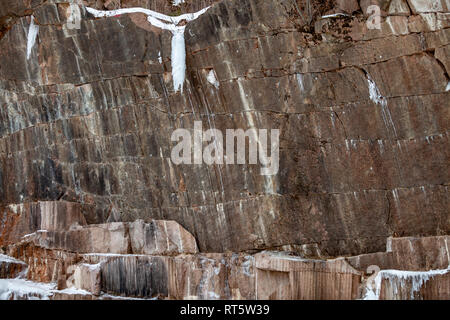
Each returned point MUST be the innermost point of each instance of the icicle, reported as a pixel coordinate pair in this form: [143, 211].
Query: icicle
[178, 59]
[398, 280]
[33, 31]
[167, 23]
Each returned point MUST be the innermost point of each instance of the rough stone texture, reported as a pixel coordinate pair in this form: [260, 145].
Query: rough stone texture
[132, 275]
[399, 7]
[292, 278]
[422, 6]
[102, 238]
[85, 277]
[266, 275]
[348, 6]
[212, 277]
[61, 226]
[97, 131]
[44, 265]
[160, 238]
[416, 254]
[24, 219]
[88, 119]
[157, 237]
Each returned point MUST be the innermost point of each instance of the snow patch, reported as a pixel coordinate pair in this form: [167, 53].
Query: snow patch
[376, 97]
[177, 2]
[33, 31]
[33, 234]
[448, 87]
[374, 92]
[247, 266]
[399, 279]
[8, 259]
[112, 255]
[335, 15]
[92, 267]
[15, 207]
[159, 57]
[73, 290]
[213, 295]
[19, 288]
[212, 79]
[109, 296]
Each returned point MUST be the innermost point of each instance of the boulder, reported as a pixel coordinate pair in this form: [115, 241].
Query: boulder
[160, 237]
[85, 277]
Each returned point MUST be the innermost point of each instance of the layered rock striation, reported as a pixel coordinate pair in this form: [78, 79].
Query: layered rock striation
[90, 198]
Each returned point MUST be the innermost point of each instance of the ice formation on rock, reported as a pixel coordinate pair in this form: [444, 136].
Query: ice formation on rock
[32, 35]
[162, 21]
[212, 79]
[398, 280]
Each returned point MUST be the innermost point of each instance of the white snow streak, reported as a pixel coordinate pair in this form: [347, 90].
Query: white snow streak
[33, 31]
[336, 15]
[374, 92]
[162, 21]
[8, 259]
[212, 79]
[301, 85]
[159, 57]
[19, 288]
[375, 96]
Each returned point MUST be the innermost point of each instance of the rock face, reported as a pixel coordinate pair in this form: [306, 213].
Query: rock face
[87, 114]
[24, 219]
[147, 261]
[66, 230]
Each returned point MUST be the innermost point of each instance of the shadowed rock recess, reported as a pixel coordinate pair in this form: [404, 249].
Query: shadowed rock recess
[92, 207]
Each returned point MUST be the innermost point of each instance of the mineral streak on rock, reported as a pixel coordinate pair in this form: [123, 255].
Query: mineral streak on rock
[86, 117]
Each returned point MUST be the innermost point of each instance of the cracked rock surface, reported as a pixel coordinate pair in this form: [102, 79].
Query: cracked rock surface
[85, 144]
